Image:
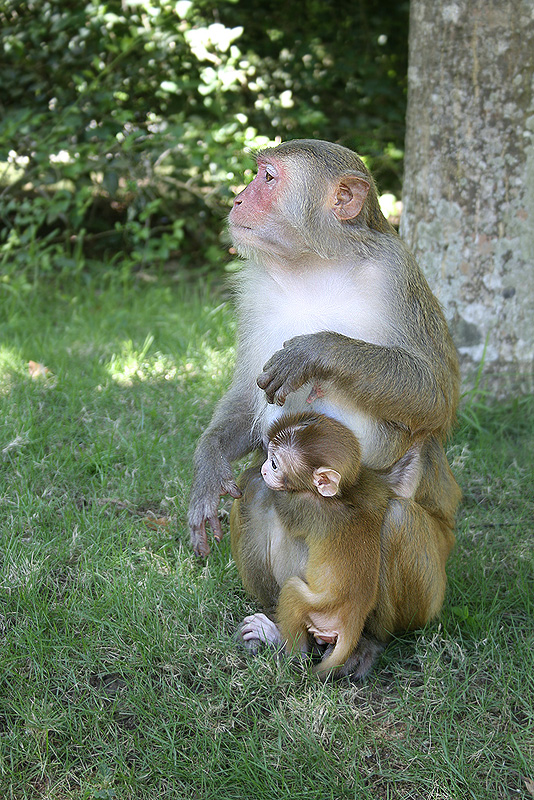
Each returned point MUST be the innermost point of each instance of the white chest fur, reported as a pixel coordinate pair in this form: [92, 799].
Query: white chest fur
[333, 299]
[350, 302]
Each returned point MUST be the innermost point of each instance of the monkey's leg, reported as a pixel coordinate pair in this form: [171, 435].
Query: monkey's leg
[351, 651]
[295, 603]
[415, 546]
[251, 528]
[250, 535]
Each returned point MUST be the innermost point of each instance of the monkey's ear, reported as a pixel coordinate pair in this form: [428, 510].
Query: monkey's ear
[350, 196]
[326, 481]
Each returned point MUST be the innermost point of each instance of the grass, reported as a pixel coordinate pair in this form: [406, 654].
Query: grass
[119, 674]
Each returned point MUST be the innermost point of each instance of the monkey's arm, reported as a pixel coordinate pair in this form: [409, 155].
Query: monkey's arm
[418, 391]
[228, 437]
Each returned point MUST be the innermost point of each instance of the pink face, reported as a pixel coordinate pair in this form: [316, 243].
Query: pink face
[259, 223]
[257, 199]
[268, 220]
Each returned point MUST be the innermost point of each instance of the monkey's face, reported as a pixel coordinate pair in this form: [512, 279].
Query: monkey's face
[272, 471]
[296, 207]
[260, 220]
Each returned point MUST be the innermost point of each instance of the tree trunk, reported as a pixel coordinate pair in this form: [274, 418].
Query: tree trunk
[469, 177]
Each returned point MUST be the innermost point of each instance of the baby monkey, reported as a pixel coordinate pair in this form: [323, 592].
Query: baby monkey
[324, 496]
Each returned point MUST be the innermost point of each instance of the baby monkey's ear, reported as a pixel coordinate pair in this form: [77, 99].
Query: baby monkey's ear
[326, 481]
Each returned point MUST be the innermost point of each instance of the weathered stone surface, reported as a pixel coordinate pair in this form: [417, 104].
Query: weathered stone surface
[469, 177]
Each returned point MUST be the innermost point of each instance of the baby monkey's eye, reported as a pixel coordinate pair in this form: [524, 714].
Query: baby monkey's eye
[273, 464]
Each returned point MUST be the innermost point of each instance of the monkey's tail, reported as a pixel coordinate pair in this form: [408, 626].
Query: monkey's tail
[343, 649]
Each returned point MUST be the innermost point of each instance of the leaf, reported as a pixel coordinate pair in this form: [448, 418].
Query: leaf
[461, 612]
[529, 785]
[111, 182]
[38, 370]
[156, 522]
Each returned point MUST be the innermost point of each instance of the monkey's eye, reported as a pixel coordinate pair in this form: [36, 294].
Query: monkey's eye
[273, 464]
[269, 176]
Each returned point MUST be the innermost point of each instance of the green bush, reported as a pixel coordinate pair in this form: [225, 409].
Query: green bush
[124, 123]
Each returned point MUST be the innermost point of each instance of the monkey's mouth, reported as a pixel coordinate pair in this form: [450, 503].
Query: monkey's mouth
[240, 227]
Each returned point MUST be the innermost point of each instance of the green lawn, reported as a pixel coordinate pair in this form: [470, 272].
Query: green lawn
[119, 674]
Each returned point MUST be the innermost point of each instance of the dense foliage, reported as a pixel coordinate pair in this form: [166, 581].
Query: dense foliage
[124, 123]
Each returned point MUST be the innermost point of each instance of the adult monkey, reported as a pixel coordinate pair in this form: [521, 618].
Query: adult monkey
[333, 310]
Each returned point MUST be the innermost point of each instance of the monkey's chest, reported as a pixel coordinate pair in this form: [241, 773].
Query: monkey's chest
[285, 555]
[320, 305]
[318, 302]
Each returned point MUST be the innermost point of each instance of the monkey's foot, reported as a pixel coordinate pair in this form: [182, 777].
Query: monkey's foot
[258, 630]
[360, 662]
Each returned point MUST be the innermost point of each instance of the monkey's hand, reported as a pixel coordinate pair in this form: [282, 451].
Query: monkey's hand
[290, 368]
[203, 508]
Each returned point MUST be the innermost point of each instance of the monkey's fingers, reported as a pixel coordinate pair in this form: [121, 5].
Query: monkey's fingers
[199, 540]
[285, 372]
[233, 490]
[274, 388]
[274, 372]
[264, 379]
[215, 525]
[280, 396]
[268, 382]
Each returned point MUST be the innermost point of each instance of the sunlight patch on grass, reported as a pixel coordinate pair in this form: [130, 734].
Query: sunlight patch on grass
[10, 366]
[21, 571]
[132, 364]
[16, 443]
[216, 363]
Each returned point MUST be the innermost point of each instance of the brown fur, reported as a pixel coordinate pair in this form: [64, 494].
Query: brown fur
[348, 577]
[318, 441]
[342, 533]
